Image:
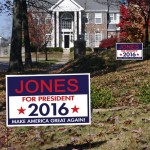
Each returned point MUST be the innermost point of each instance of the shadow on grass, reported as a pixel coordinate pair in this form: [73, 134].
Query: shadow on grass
[88, 63]
[97, 64]
[80, 146]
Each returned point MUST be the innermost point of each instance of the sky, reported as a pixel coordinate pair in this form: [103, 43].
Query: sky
[5, 24]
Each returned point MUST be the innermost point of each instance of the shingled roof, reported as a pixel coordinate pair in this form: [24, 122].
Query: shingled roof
[93, 5]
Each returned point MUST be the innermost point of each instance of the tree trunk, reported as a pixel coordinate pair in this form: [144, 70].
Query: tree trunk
[46, 57]
[28, 61]
[146, 31]
[15, 62]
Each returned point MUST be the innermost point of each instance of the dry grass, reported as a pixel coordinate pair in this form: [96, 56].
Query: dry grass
[113, 129]
[125, 83]
[125, 129]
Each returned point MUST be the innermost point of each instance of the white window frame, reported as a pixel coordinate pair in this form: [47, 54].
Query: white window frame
[67, 24]
[48, 17]
[86, 37]
[114, 18]
[98, 38]
[98, 16]
[46, 20]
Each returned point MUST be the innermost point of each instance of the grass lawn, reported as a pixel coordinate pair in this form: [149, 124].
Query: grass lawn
[125, 127]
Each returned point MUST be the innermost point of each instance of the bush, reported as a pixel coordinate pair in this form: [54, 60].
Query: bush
[71, 49]
[144, 95]
[101, 98]
[89, 49]
[108, 43]
[58, 49]
[49, 49]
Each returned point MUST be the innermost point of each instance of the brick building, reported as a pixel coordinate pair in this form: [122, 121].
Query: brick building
[86, 19]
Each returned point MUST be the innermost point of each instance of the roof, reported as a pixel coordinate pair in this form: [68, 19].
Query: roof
[63, 5]
[93, 5]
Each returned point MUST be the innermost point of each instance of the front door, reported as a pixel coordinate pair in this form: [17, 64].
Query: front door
[66, 41]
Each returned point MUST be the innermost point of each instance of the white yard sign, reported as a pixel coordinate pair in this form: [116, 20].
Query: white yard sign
[48, 100]
[129, 51]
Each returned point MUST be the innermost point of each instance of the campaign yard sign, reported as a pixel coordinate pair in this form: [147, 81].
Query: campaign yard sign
[129, 51]
[38, 100]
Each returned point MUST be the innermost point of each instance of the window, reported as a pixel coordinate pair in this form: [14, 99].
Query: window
[66, 21]
[86, 39]
[48, 19]
[48, 40]
[98, 38]
[113, 17]
[98, 18]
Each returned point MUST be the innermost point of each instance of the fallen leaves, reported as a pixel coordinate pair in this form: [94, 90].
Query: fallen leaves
[116, 125]
[146, 120]
[128, 122]
[125, 82]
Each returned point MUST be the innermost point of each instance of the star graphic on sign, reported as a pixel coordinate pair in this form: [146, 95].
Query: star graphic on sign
[21, 110]
[75, 109]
